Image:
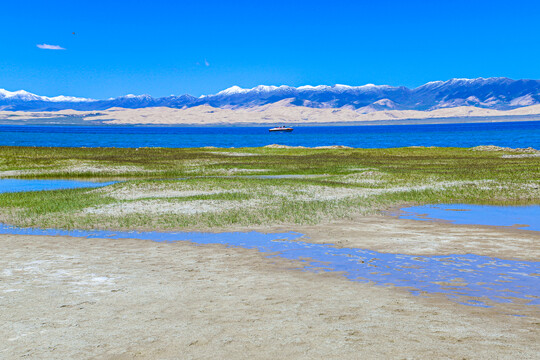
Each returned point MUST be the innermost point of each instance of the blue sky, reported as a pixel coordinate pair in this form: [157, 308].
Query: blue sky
[200, 47]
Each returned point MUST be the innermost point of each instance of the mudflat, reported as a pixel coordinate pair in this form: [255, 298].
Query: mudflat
[66, 297]
[393, 235]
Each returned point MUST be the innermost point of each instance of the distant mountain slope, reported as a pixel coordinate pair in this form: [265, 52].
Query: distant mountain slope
[490, 93]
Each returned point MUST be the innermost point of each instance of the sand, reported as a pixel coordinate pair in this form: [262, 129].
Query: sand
[65, 297]
[278, 113]
[393, 235]
[285, 114]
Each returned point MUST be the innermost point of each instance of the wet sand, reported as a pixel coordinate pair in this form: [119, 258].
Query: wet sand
[65, 297]
[390, 234]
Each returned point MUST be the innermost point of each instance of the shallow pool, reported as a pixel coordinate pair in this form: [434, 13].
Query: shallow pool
[19, 185]
[467, 279]
[522, 217]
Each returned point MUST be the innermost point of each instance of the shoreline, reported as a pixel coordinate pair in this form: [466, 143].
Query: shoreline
[382, 233]
[482, 148]
[126, 298]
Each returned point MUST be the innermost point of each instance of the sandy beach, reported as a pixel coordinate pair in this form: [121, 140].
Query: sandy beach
[65, 297]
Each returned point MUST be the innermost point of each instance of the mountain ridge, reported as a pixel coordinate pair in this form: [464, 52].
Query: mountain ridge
[497, 93]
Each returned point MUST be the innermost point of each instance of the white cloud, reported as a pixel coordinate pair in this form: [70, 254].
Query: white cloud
[50, 47]
[206, 62]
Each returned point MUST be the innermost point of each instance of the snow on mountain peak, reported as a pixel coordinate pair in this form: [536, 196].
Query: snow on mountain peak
[63, 98]
[313, 88]
[341, 87]
[466, 80]
[19, 95]
[233, 90]
[495, 93]
[264, 88]
[27, 96]
[132, 96]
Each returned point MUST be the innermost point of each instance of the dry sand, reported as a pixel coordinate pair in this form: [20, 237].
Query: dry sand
[278, 113]
[78, 298]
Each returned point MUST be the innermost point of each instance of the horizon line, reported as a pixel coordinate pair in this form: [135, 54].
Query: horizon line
[239, 89]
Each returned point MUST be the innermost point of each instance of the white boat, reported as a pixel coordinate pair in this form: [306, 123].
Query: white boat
[282, 128]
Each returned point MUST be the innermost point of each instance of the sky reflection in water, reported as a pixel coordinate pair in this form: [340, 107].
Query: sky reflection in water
[523, 217]
[19, 185]
[460, 277]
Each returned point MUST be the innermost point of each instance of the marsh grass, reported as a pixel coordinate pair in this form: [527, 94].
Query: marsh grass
[350, 182]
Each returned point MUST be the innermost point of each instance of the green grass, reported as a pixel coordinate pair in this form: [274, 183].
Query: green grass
[347, 183]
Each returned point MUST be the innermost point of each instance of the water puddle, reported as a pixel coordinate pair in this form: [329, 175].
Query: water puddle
[281, 176]
[22, 185]
[521, 217]
[19, 185]
[470, 280]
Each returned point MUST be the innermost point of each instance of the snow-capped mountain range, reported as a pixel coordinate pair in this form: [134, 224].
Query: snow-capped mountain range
[492, 93]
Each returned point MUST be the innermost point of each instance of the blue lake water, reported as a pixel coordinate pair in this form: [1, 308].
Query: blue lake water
[523, 217]
[467, 279]
[17, 185]
[508, 134]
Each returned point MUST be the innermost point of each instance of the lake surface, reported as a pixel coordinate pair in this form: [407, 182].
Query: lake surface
[466, 279]
[522, 217]
[508, 134]
[17, 185]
